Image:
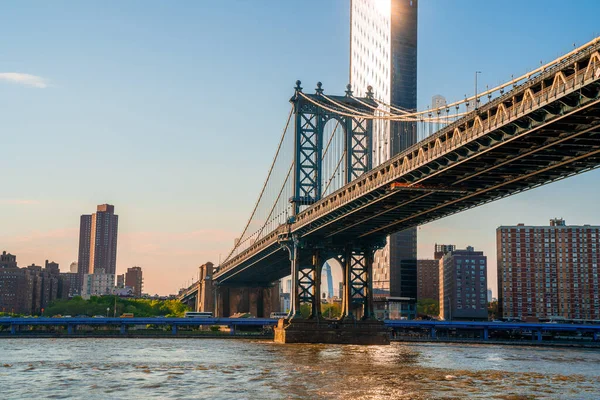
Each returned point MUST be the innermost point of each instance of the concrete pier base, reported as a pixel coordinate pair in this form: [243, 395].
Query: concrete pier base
[369, 332]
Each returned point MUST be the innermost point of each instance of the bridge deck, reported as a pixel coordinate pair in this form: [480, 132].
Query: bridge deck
[543, 131]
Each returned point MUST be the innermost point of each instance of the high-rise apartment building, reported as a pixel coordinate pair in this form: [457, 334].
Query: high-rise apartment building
[428, 279]
[99, 283]
[15, 286]
[383, 55]
[27, 290]
[69, 282]
[442, 249]
[133, 279]
[98, 242]
[428, 273]
[549, 271]
[463, 285]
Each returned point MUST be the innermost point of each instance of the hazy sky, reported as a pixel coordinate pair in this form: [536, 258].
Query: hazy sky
[171, 111]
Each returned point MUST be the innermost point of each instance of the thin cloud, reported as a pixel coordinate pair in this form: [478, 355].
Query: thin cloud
[24, 79]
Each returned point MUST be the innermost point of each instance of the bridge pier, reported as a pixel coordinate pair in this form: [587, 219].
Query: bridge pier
[258, 300]
[123, 329]
[357, 324]
[70, 329]
[13, 329]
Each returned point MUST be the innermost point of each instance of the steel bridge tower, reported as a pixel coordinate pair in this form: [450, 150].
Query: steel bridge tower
[307, 257]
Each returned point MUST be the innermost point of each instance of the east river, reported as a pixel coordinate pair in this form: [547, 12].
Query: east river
[244, 369]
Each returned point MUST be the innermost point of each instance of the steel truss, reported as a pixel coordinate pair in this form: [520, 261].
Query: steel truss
[307, 265]
[310, 121]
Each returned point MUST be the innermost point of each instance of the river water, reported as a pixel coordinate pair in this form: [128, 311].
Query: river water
[246, 369]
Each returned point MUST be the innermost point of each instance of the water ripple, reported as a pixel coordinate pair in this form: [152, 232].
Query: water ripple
[223, 369]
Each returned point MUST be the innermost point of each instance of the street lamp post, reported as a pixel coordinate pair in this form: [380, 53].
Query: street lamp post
[476, 73]
[107, 310]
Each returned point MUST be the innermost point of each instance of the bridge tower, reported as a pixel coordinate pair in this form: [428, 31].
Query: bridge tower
[307, 257]
[310, 120]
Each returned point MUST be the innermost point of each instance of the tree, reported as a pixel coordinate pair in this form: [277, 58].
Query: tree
[429, 307]
[493, 310]
[331, 310]
[305, 309]
[97, 306]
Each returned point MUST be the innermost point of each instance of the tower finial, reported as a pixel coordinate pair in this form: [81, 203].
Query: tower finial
[319, 89]
[348, 90]
[370, 92]
[298, 88]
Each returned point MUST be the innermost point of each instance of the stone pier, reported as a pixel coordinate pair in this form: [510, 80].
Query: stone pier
[362, 332]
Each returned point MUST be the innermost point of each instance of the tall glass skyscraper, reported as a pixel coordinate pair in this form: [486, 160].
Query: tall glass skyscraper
[383, 54]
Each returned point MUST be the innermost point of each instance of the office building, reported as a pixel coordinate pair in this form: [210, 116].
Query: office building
[463, 285]
[428, 279]
[98, 242]
[133, 279]
[548, 271]
[383, 55]
[99, 283]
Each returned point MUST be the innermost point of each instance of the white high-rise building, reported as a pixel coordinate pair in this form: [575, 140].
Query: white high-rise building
[98, 284]
[383, 55]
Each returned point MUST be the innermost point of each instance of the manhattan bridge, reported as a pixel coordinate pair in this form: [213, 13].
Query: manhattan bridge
[324, 200]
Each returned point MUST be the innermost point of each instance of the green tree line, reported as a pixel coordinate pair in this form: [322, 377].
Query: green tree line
[99, 306]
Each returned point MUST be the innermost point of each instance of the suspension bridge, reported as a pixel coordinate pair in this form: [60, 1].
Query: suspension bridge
[324, 199]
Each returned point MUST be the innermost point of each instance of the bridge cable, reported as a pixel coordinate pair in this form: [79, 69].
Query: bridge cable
[265, 183]
[275, 203]
[334, 171]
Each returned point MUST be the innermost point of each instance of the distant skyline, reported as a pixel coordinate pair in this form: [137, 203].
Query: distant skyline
[171, 112]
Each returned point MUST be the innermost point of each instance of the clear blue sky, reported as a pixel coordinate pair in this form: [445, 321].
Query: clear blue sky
[171, 111]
